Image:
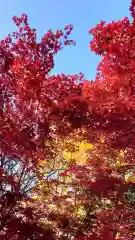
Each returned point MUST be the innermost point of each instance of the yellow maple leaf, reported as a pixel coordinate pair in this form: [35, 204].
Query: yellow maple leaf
[80, 211]
[34, 197]
[79, 157]
[84, 146]
[41, 163]
[120, 159]
[67, 155]
[52, 206]
[120, 164]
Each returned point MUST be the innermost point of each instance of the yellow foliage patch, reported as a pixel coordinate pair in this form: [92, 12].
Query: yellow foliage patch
[34, 197]
[120, 159]
[80, 211]
[80, 156]
[84, 146]
[41, 163]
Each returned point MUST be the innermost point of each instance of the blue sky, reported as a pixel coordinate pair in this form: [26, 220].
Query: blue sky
[55, 14]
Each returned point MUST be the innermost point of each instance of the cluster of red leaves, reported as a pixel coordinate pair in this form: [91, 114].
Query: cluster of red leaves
[35, 106]
[28, 93]
[108, 102]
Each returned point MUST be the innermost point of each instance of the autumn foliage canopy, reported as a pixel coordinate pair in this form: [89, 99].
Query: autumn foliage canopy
[67, 145]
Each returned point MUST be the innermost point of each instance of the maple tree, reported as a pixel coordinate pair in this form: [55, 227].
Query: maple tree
[27, 95]
[106, 109]
[67, 168]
